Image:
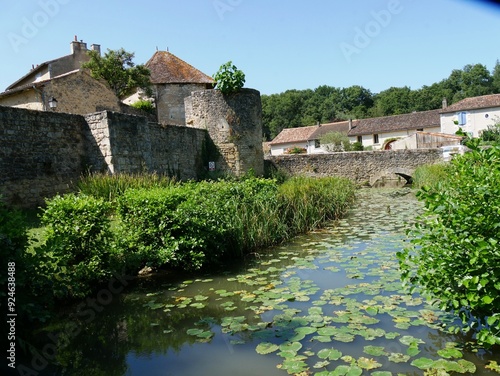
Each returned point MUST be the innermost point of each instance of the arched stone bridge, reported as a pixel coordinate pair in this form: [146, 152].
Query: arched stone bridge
[364, 167]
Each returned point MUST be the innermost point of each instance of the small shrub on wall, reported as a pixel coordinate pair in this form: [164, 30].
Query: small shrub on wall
[296, 150]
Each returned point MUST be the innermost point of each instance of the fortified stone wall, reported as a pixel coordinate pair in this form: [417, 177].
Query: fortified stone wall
[45, 153]
[234, 124]
[362, 167]
[41, 154]
[170, 102]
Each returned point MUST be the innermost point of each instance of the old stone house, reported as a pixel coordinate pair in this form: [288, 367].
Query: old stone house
[60, 85]
[173, 80]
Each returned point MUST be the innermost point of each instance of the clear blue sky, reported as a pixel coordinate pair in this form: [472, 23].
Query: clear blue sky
[279, 44]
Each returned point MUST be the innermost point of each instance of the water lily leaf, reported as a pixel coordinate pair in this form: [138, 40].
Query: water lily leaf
[374, 350]
[344, 337]
[323, 339]
[494, 366]
[450, 353]
[322, 364]
[291, 346]
[266, 348]
[381, 373]
[399, 358]
[200, 298]
[466, 366]
[197, 305]
[372, 311]
[330, 354]
[293, 366]
[205, 334]
[328, 331]
[305, 330]
[368, 364]
[341, 371]
[194, 332]
[409, 340]
[423, 363]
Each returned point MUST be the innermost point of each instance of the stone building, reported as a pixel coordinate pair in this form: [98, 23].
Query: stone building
[62, 79]
[174, 80]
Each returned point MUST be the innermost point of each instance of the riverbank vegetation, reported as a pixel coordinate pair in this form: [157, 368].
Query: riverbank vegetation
[455, 254]
[121, 224]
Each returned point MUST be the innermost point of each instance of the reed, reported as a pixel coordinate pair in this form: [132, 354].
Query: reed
[430, 175]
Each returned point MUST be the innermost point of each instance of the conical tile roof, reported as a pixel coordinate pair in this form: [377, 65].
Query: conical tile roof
[166, 68]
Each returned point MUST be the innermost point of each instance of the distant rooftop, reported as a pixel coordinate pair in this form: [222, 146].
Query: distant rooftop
[474, 103]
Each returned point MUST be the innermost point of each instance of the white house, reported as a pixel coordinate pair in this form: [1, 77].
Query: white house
[379, 133]
[471, 115]
[306, 138]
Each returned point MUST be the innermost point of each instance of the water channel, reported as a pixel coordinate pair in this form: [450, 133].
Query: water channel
[327, 303]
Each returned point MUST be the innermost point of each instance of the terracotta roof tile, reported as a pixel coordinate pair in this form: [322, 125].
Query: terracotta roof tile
[485, 101]
[167, 68]
[415, 120]
[291, 135]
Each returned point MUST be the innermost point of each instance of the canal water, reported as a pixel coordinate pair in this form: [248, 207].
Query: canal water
[327, 303]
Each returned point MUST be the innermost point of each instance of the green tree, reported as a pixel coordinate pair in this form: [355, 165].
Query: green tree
[335, 142]
[496, 77]
[117, 68]
[394, 101]
[455, 255]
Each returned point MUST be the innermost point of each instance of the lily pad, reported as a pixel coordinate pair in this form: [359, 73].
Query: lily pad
[399, 358]
[266, 348]
[368, 364]
[330, 354]
[423, 363]
[450, 353]
[374, 350]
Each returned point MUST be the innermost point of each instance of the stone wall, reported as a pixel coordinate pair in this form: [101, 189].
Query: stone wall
[45, 153]
[170, 102]
[234, 124]
[362, 167]
[41, 154]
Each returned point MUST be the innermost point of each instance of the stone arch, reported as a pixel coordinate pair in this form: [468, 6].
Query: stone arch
[405, 173]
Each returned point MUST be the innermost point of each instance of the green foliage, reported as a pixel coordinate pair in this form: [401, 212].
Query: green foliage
[357, 146]
[119, 71]
[430, 175]
[229, 79]
[110, 186]
[455, 254]
[296, 150]
[77, 252]
[335, 142]
[144, 105]
[491, 135]
[297, 108]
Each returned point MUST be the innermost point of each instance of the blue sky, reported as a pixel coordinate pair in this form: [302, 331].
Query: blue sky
[279, 44]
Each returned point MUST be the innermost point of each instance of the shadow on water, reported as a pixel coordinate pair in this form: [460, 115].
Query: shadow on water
[329, 300]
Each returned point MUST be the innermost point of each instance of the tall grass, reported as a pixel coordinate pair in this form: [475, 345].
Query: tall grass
[111, 186]
[430, 175]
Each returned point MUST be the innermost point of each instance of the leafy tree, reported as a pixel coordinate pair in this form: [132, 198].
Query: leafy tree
[455, 255]
[229, 79]
[117, 68]
[393, 101]
[496, 77]
[335, 142]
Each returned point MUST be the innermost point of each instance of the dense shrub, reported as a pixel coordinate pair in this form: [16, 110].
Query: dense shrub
[229, 79]
[144, 105]
[77, 252]
[455, 254]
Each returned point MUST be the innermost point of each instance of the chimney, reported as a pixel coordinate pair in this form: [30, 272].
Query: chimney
[78, 46]
[445, 103]
[318, 124]
[350, 124]
[96, 47]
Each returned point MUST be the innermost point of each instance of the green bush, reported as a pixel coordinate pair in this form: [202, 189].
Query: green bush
[145, 106]
[77, 252]
[455, 253]
[229, 79]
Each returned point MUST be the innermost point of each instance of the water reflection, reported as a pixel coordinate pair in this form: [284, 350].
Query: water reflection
[334, 288]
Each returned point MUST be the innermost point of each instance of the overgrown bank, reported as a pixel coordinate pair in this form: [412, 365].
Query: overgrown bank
[87, 238]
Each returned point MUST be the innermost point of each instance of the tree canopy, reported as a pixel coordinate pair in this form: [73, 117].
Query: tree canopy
[296, 108]
[119, 71]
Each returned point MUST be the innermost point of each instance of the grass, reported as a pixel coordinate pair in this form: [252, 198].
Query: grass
[430, 175]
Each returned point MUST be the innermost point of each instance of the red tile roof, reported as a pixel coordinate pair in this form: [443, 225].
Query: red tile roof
[291, 135]
[474, 103]
[414, 120]
[167, 68]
